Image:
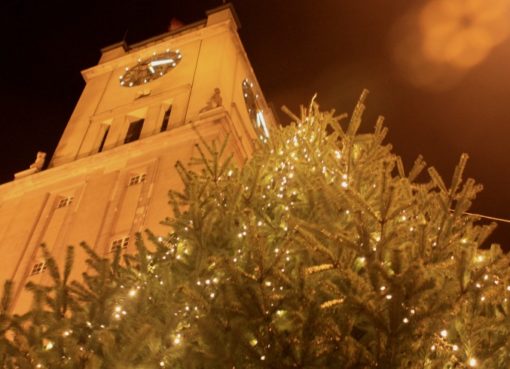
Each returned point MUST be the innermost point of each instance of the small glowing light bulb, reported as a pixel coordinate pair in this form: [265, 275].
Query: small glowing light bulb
[444, 333]
[473, 362]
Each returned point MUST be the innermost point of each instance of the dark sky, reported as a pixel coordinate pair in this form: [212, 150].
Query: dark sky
[335, 48]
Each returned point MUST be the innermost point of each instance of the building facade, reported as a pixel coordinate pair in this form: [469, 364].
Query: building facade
[143, 108]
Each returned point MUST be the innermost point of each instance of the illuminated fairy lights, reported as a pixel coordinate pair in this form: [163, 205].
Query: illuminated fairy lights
[280, 187]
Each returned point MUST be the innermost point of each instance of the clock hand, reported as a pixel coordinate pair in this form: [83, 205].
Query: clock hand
[155, 63]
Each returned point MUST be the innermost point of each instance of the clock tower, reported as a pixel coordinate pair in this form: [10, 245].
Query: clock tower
[144, 107]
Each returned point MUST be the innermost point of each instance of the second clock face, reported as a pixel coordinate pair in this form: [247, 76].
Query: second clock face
[151, 68]
[254, 111]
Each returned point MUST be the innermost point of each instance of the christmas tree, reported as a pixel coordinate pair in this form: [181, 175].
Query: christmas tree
[321, 251]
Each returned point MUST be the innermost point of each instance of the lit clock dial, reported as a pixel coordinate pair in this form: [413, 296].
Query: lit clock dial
[152, 68]
[254, 111]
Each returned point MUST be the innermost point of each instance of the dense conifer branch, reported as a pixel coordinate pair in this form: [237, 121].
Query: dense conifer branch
[319, 252]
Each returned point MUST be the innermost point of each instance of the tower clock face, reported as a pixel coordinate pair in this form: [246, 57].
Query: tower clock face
[151, 68]
[254, 111]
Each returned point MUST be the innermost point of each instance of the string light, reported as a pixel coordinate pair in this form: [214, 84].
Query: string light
[480, 258]
[281, 182]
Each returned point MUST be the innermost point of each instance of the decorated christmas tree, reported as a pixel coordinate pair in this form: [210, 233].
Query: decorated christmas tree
[321, 251]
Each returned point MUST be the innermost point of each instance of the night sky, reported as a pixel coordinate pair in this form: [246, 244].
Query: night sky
[454, 97]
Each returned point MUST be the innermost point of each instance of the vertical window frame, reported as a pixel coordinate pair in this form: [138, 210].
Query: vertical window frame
[105, 131]
[166, 118]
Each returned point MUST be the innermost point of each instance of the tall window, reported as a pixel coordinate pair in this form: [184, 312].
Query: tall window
[134, 130]
[103, 139]
[166, 119]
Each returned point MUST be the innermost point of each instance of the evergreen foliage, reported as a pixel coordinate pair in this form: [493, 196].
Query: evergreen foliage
[320, 252]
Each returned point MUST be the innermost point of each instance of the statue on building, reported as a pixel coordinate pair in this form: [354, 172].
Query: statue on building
[35, 167]
[214, 101]
[39, 161]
